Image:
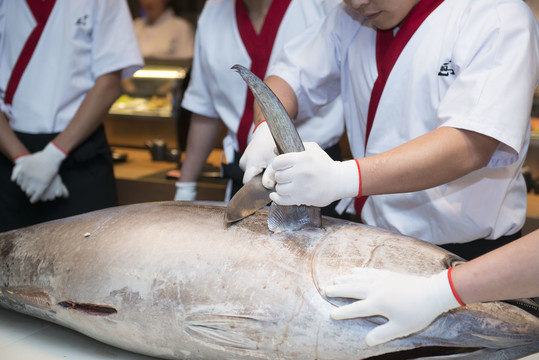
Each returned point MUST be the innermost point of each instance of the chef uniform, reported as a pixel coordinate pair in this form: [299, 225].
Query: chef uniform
[225, 37]
[467, 64]
[51, 53]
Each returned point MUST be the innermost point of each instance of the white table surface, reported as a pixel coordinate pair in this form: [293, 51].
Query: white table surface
[26, 338]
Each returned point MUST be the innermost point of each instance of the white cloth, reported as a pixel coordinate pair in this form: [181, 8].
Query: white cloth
[217, 91]
[90, 38]
[492, 48]
[169, 37]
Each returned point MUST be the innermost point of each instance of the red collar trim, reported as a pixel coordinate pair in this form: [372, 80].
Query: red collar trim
[259, 48]
[388, 50]
[41, 11]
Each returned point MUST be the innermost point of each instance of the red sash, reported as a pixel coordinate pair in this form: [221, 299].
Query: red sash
[388, 50]
[41, 11]
[259, 47]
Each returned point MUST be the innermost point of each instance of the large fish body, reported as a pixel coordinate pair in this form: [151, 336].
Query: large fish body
[171, 280]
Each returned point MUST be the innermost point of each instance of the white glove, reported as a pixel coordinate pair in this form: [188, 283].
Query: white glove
[259, 153]
[55, 190]
[410, 303]
[185, 191]
[311, 178]
[35, 172]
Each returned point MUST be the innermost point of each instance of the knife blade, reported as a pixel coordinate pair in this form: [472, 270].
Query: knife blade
[250, 197]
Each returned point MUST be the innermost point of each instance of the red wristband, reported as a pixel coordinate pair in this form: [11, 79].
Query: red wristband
[20, 156]
[455, 294]
[59, 148]
[359, 173]
[257, 125]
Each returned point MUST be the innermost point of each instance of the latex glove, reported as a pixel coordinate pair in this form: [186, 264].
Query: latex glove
[185, 191]
[35, 172]
[311, 178]
[410, 303]
[259, 153]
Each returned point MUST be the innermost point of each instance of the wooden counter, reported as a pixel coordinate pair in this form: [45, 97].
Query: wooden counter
[139, 179]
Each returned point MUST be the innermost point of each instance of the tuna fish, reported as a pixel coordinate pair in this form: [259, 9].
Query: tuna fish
[174, 281]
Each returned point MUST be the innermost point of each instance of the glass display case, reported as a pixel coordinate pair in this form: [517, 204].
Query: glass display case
[149, 106]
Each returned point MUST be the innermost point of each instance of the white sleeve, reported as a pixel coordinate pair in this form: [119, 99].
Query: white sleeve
[497, 66]
[310, 64]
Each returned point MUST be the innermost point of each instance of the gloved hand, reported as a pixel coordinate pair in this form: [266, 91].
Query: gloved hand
[259, 153]
[410, 303]
[55, 190]
[34, 173]
[311, 178]
[185, 191]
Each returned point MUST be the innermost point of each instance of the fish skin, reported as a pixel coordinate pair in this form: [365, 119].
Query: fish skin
[186, 286]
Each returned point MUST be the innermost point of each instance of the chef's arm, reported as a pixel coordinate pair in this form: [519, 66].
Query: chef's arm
[438, 157]
[91, 112]
[10, 145]
[509, 272]
[203, 134]
[284, 92]
[435, 158]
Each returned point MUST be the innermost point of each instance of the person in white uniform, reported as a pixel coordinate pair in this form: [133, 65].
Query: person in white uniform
[437, 98]
[161, 34]
[250, 33]
[61, 63]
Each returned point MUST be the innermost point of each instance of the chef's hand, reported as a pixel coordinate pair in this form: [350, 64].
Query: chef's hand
[56, 189]
[185, 191]
[410, 303]
[36, 172]
[311, 178]
[259, 153]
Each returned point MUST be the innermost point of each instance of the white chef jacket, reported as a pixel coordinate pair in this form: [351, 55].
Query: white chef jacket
[169, 37]
[88, 38]
[473, 65]
[217, 91]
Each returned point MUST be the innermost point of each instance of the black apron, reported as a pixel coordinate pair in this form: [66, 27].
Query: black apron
[87, 173]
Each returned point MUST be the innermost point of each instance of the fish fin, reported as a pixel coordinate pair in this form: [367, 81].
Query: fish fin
[28, 294]
[291, 218]
[528, 305]
[240, 332]
[282, 129]
[287, 139]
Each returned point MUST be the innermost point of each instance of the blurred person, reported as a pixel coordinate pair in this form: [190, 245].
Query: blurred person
[61, 63]
[162, 34]
[250, 33]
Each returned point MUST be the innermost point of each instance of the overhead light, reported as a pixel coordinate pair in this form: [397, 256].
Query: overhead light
[160, 74]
